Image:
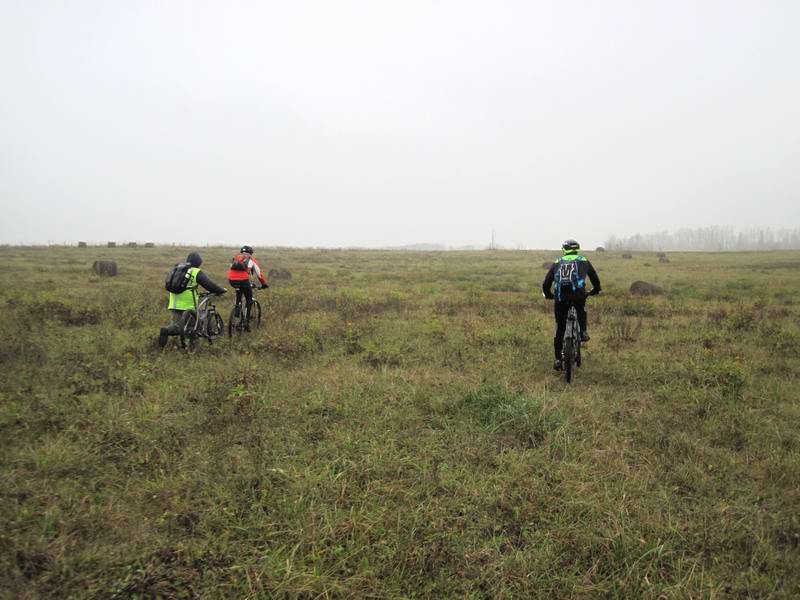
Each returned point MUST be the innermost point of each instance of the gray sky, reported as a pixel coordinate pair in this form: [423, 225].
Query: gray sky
[383, 123]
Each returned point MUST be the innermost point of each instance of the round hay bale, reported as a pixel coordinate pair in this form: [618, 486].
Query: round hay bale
[661, 255]
[105, 268]
[149, 245]
[81, 244]
[642, 288]
[112, 244]
[627, 255]
[284, 274]
[547, 264]
[599, 249]
[663, 259]
[132, 244]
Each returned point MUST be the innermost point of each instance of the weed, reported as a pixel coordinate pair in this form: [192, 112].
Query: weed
[394, 429]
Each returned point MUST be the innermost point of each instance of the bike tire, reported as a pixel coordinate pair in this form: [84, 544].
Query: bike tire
[236, 322]
[188, 333]
[569, 358]
[256, 310]
[215, 326]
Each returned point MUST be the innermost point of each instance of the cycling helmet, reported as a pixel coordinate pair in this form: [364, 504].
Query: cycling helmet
[570, 246]
[247, 249]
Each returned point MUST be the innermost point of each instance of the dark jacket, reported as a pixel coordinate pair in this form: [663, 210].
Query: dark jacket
[585, 269]
[196, 260]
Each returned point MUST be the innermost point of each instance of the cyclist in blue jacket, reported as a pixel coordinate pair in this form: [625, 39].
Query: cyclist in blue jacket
[566, 283]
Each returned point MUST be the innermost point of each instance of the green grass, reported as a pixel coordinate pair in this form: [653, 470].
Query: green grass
[395, 430]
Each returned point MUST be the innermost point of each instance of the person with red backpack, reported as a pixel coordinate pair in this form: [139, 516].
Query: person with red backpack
[242, 266]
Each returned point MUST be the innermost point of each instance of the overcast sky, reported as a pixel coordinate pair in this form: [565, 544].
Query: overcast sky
[338, 123]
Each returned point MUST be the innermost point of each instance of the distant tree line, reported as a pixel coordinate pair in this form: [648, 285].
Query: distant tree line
[709, 239]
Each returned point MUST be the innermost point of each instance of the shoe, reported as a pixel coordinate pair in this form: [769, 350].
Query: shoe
[557, 365]
[163, 335]
[585, 336]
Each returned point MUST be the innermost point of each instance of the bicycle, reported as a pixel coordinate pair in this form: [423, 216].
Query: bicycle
[571, 349]
[241, 318]
[206, 322]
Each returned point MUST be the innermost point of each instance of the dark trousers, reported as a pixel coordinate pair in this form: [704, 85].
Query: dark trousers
[561, 311]
[243, 288]
[177, 321]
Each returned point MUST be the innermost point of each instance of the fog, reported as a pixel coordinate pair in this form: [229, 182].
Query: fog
[389, 123]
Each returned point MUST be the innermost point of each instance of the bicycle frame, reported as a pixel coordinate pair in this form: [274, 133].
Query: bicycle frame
[241, 303]
[241, 316]
[205, 307]
[571, 347]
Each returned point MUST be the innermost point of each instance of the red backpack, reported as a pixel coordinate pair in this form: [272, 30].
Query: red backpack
[240, 261]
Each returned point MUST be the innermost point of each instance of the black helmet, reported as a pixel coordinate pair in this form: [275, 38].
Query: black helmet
[570, 246]
[247, 249]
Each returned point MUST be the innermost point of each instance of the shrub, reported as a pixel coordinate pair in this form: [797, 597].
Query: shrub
[623, 331]
[642, 288]
[507, 412]
[638, 309]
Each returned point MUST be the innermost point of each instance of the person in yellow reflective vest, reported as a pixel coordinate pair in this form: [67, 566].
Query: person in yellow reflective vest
[181, 304]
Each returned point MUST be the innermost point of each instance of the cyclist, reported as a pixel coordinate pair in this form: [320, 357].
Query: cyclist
[242, 266]
[569, 274]
[181, 304]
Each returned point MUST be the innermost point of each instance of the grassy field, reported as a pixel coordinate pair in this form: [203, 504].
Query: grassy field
[395, 430]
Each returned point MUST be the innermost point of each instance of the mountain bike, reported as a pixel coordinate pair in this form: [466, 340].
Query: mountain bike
[206, 322]
[571, 349]
[241, 318]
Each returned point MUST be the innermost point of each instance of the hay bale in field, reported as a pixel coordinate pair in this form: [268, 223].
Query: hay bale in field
[105, 268]
[661, 255]
[149, 245]
[81, 244]
[547, 264]
[642, 288]
[284, 274]
[112, 244]
[627, 255]
[599, 249]
[663, 259]
[132, 244]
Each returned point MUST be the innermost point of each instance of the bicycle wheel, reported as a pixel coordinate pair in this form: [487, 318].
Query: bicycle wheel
[189, 333]
[215, 327]
[578, 355]
[236, 321]
[569, 358]
[255, 313]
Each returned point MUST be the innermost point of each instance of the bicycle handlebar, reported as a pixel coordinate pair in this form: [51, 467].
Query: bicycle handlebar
[553, 297]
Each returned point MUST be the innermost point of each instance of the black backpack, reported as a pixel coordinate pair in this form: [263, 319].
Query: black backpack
[240, 262]
[179, 278]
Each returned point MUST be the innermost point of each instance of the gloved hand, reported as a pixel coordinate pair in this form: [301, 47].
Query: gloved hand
[595, 291]
[549, 296]
[264, 286]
